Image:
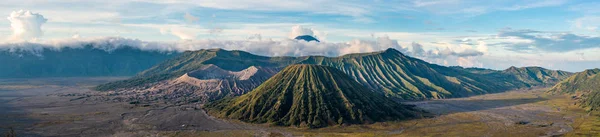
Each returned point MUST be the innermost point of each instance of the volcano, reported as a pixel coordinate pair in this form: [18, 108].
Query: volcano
[311, 96]
[307, 38]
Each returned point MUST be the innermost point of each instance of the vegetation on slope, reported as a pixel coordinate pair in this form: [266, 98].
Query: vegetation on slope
[404, 77]
[73, 62]
[310, 96]
[584, 86]
[534, 76]
[390, 72]
[193, 60]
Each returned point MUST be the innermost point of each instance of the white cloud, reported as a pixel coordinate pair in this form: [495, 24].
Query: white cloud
[299, 31]
[452, 55]
[285, 47]
[26, 25]
[76, 36]
[548, 41]
[468, 62]
[257, 37]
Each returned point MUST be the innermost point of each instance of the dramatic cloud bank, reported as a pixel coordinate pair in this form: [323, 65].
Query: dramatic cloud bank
[286, 47]
[26, 25]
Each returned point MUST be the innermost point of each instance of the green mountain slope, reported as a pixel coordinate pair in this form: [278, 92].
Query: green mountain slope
[585, 86]
[390, 72]
[78, 62]
[310, 96]
[194, 60]
[405, 77]
[535, 76]
[521, 77]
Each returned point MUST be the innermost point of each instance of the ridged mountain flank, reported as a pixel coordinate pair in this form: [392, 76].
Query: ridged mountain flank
[311, 96]
[191, 61]
[389, 72]
[535, 76]
[584, 86]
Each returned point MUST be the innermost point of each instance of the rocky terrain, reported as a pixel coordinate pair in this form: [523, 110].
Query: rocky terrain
[66, 107]
[389, 72]
[205, 84]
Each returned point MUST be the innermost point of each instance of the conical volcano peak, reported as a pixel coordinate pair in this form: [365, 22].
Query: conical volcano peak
[311, 96]
[392, 51]
[307, 38]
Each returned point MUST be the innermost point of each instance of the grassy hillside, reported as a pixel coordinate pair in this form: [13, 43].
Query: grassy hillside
[310, 96]
[535, 76]
[405, 77]
[584, 86]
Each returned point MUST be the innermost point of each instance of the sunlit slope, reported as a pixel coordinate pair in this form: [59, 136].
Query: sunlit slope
[389, 72]
[311, 96]
[584, 86]
[405, 77]
[537, 76]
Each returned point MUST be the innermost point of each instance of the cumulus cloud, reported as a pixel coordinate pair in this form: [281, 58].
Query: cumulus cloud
[458, 51]
[215, 31]
[548, 41]
[463, 54]
[417, 49]
[299, 31]
[26, 25]
[286, 47]
[358, 46]
[76, 36]
[257, 45]
[255, 37]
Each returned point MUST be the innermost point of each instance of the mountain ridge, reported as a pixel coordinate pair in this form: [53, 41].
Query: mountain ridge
[583, 86]
[83, 61]
[390, 72]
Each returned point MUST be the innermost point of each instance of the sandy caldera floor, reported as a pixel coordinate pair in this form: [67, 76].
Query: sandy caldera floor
[67, 107]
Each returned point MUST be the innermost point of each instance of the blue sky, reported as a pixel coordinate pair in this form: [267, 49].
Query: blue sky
[497, 34]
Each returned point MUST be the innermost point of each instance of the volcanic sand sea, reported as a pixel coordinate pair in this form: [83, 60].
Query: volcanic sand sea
[67, 107]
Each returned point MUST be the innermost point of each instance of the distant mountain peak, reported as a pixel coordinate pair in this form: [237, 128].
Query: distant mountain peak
[307, 38]
[392, 50]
